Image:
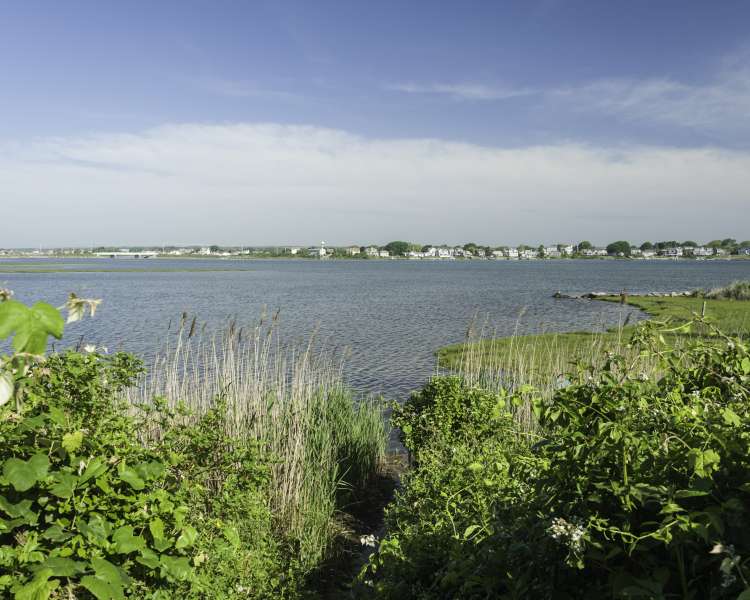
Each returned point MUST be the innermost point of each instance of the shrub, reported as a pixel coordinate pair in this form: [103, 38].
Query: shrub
[99, 499]
[638, 488]
[737, 290]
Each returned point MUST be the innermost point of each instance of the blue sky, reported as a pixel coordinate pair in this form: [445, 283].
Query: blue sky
[91, 90]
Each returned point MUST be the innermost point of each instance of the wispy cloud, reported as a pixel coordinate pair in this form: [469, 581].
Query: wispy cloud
[244, 183]
[461, 91]
[231, 88]
[719, 104]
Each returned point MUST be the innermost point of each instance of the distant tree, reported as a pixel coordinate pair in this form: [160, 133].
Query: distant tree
[540, 249]
[470, 247]
[619, 247]
[689, 244]
[426, 247]
[714, 244]
[647, 246]
[214, 249]
[728, 242]
[744, 244]
[397, 248]
[585, 245]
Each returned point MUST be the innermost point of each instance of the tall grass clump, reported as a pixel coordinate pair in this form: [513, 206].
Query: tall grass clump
[325, 443]
[737, 290]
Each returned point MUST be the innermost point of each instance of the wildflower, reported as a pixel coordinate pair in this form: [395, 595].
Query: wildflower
[368, 540]
[568, 534]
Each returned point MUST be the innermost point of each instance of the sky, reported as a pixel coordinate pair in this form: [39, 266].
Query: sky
[290, 122]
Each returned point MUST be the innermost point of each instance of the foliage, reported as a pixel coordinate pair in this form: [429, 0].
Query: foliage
[637, 487]
[619, 247]
[737, 290]
[398, 248]
[98, 500]
[585, 245]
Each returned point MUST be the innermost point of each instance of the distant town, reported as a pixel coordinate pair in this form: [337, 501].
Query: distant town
[726, 248]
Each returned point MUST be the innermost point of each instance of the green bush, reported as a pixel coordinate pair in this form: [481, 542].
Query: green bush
[102, 499]
[638, 487]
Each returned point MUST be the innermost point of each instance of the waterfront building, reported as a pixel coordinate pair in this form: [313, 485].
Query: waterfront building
[371, 251]
[671, 252]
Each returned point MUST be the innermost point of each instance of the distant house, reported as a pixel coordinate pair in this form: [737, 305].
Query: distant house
[384, 254]
[744, 251]
[431, 252]
[635, 251]
[594, 252]
[205, 250]
[352, 250]
[552, 252]
[648, 253]
[294, 251]
[498, 253]
[445, 252]
[511, 253]
[481, 252]
[371, 251]
[528, 254]
[720, 251]
[699, 251]
[566, 249]
[671, 252]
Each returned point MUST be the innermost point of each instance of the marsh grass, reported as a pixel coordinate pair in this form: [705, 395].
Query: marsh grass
[325, 443]
[545, 362]
[737, 290]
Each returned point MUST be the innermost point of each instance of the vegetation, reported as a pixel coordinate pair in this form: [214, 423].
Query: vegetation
[542, 360]
[737, 290]
[620, 247]
[632, 483]
[102, 497]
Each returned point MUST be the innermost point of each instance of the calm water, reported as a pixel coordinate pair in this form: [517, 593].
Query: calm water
[390, 316]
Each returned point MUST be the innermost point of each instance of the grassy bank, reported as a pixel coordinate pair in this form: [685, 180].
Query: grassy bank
[542, 360]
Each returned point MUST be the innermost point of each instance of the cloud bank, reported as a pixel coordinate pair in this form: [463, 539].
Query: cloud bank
[275, 184]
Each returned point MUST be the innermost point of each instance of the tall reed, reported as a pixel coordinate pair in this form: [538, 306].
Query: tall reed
[324, 441]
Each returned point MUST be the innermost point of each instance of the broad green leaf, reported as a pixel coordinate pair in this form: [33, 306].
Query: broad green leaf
[148, 558]
[689, 493]
[65, 485]
[730, 417]
[62, 567]
[126, 542]
[177, 568]
[21, 509]
[39, 588]
[744, 595]
[101, 589]
[108, 572]
[48, 318]
[12, 315]
[72, 441]
[22, 475]
[95, 467]
[470, 530]
[156, 527]
[130, 476]
[187, 538]
[746, 367]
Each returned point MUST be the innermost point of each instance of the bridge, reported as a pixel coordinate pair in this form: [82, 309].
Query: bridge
[123, 254]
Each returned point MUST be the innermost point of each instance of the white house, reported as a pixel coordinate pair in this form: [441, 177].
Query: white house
[384, 254]
[552, 252]
[529, 254]
[511, 252]
[371, 251]
[594, 252]
[699, 251]
[745, 251]
[352, 250]
[431, 252]
[498, 253]
[204, 251]
[445, 252]
[566, 249]
[671, 252]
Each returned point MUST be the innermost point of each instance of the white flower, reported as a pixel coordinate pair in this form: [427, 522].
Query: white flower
[6, 387]
[89, 348]
[368, 540]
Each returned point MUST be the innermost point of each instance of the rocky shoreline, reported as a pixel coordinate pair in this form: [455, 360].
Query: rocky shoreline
[594, 295]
